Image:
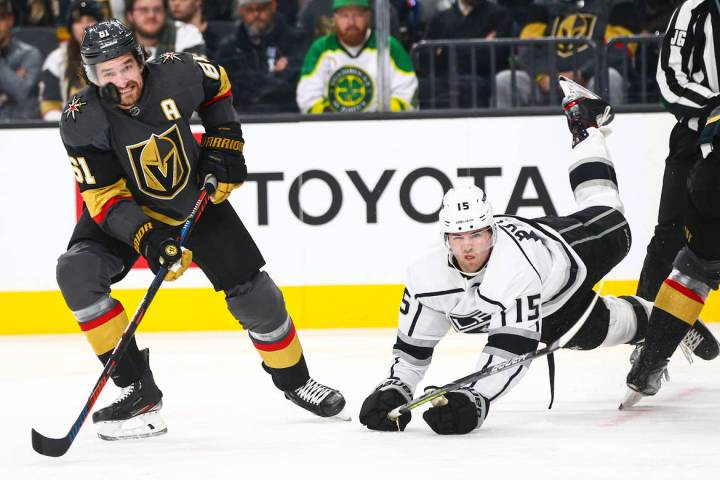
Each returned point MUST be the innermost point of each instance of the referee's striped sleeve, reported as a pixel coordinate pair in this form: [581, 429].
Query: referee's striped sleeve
[680, 93]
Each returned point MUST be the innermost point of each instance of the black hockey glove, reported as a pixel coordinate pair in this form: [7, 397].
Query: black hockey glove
[160, 247]
[389, 394]
[221, 154]
[464, 411]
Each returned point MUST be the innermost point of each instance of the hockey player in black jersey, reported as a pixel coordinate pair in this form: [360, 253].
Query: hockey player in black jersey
[139, 171]
[695, 272]
[683, 258]
[523, 281]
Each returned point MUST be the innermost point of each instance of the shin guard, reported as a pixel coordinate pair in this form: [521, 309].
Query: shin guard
[259, 306]
[677, 306]
[103, 323]
[282, 356]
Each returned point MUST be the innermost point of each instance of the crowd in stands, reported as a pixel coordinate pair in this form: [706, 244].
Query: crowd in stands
[315, 56]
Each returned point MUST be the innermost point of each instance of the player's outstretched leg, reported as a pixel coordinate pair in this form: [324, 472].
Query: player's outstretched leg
[135, 413]
[259, 306]
[627, 322]
[591, 171]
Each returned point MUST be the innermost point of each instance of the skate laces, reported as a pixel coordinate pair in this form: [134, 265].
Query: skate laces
[689, 343]
[692, 340]
[124, 393]
[313, 392]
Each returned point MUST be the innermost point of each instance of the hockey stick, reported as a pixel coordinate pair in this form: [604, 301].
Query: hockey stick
[56, 447]
[486, 372]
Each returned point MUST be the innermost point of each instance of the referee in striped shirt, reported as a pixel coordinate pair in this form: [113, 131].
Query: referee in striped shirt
[687, 75]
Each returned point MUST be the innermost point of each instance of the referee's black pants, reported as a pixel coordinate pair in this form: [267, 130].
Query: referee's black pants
[669, 237]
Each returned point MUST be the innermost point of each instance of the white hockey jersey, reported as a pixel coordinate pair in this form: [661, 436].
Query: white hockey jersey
[530, 274]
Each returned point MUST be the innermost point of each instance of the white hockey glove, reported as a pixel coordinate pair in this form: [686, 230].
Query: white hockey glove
[464, 411]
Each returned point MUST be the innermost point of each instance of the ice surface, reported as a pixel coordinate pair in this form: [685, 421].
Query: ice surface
[226, 420]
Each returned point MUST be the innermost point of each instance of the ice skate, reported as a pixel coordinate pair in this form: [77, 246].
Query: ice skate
[321, 400]
[583, 109]
[135, 413]
[646, 376]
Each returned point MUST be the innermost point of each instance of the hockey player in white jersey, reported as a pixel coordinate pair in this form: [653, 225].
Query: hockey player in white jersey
[523, 281]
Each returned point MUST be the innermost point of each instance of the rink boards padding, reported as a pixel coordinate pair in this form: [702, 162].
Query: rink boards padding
[338, 208]
[358, 306]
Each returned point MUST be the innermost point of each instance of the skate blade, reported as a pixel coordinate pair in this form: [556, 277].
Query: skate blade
[631, 399]
[143, 426]
[573, 89]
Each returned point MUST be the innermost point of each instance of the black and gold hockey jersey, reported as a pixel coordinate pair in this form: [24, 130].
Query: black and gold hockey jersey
[140, 163]
[595, 20]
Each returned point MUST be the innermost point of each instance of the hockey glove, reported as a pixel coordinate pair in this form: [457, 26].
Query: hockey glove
[464, 411]
[221, 154]
[389, 394]
[160, 248]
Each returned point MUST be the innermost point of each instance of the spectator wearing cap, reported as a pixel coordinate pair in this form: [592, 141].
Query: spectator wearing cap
[315, 18]
[339, 73]
[191, 12]
[262, 59]
[60, 77]
[158, 32]
[19, 71]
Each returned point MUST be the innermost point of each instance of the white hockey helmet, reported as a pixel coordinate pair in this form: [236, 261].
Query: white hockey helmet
[465, 209]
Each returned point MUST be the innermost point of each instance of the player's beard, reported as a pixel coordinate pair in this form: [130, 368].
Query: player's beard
[352, 36]
[131, 98]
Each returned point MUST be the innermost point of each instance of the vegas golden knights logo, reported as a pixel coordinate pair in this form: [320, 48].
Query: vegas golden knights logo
[578, 25]
[160, 164]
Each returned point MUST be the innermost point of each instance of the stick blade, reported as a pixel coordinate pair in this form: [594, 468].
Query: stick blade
[51, 447]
